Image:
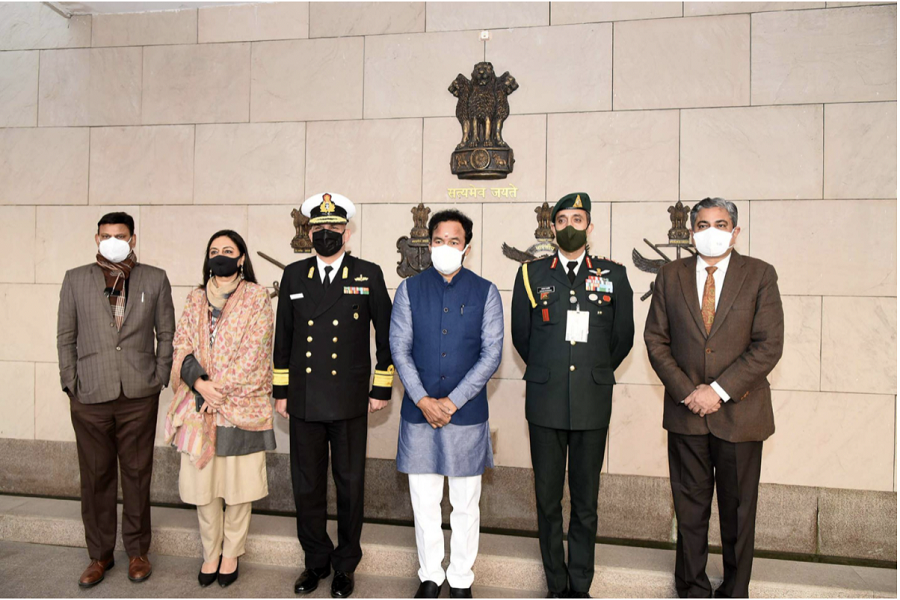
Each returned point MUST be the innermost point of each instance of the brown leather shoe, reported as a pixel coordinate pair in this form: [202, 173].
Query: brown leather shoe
[95, 572]
[139, 568]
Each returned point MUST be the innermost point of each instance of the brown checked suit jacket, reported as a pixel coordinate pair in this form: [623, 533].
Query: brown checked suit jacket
[743, 346]
[96, 361]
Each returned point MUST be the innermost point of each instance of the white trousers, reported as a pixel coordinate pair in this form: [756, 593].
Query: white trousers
[426, 492]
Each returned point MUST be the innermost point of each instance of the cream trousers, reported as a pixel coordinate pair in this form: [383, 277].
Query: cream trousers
[223, 532]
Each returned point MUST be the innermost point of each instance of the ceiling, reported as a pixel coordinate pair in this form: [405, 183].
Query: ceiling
[92, 8]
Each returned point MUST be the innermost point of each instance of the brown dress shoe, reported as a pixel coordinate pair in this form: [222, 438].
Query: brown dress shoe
[139, 568]
[95, 572]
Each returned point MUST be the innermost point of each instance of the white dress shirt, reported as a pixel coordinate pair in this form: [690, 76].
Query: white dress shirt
[565, 261]
[336, 265]
[719, 279]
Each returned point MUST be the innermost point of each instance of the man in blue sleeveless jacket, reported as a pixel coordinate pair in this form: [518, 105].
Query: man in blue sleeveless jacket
[446, 341]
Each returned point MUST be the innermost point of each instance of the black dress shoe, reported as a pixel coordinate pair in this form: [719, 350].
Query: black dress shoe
[562, 594]
[309, 580]
[460, 592]
[342, 584]
[206, 579]
[428, 589]
[574, 594]
[227, 579]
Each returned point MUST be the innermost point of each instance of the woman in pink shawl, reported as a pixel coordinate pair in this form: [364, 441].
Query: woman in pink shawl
[221, 416]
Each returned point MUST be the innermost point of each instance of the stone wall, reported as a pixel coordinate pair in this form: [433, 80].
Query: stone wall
[196, 120]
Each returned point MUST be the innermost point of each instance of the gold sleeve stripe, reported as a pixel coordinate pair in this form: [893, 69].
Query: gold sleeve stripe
[527, 283]
[384, 378]
[280, 377]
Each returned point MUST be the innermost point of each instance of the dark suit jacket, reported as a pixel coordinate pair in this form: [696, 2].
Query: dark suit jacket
[96, 361]
[569, 386]
[322, 340]
[743, 346]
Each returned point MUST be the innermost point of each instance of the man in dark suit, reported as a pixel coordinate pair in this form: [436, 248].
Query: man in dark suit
[321, 383]
[110, 314]
[572, 324]
[714, 331]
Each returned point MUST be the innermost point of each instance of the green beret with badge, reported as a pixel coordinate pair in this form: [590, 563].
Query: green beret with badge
[575, 200]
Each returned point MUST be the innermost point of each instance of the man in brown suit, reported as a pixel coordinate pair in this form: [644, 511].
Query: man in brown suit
[110, 314]
[714, 331]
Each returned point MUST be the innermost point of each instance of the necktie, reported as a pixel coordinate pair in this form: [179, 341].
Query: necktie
[708, 306]
[571, 265]
[327, 281]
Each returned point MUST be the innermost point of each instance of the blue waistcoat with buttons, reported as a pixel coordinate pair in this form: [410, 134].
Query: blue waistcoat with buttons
[446, 339]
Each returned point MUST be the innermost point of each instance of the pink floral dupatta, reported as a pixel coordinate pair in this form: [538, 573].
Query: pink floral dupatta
[240, 360]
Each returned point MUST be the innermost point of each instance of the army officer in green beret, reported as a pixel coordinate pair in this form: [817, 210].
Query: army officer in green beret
[572, 325]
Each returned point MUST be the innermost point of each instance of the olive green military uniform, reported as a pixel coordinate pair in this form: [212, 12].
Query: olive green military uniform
[568, 397]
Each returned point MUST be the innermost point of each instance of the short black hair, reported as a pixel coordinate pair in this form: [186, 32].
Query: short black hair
[450, 214]
[117, 218]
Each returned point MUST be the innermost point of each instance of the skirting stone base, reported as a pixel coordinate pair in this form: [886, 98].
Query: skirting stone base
[792, 519]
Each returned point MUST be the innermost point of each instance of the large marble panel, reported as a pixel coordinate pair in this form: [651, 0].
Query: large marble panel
[622, 156]
[682, 63]
[408, 75]
[175, 237]
[569, 13]
[699, 9]
[512, 367]
[24, 158]
[861, 150]
[33, 25]
[526, 135]
[145, 28]
[580, 82]
[384, 224]
[634, 221]
[514, 224]
[207, 83]
[250, 163]
[142, 165]
[637, 440]
[290, 83]
[339, 19]
[18, 88]
[52, 415]
[509, 429]
[859, 346]
[367, 161]
[28, 322]
[17, 234]
[100, 86]
[799, 367]
[251, 22]
[454, 16]
[17, 401]
[831, 440]
[807, 56]
[752, 153]
[636, 369]
[271, 230]
[829, 248]
[65, 238]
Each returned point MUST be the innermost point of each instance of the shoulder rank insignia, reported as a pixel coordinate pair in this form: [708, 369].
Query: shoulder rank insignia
[346, 273]
[311, 271]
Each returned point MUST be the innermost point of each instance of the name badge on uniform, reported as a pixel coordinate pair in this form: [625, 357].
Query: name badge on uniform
[598, 284]
[577, 326]
[356, 290]
[296, 296]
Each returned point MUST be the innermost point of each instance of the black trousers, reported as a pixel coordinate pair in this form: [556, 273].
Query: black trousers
[114, 436]
[696, 464]
[585, 450]
[310, 442]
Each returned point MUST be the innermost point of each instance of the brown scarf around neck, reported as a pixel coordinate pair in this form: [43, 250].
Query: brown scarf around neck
[115, 275]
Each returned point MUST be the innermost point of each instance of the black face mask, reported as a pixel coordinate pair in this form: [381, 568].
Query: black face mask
[223, 266]
[327, 242]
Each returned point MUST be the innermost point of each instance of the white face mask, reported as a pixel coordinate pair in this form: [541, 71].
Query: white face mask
[712, 242]
[115, 250]
[446, 259]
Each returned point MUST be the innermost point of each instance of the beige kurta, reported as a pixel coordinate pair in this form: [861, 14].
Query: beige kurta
[236, 479]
